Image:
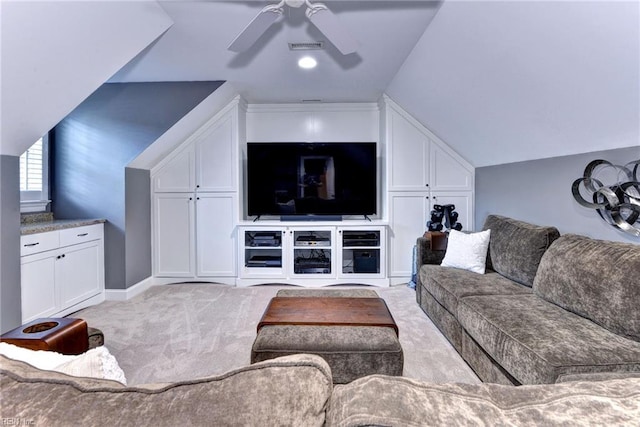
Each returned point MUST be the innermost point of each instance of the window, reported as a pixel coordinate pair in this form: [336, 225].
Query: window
[34, 177]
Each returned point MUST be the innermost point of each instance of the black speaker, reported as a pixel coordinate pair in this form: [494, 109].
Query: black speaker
[365, 261]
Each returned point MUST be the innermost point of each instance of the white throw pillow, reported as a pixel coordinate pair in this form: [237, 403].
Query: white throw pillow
[40, 359]
[95, 363]
[467, 251]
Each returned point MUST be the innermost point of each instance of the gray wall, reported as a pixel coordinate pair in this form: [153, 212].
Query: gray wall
[93, 145]
[10, 310]
[137, 239]
[539, 191]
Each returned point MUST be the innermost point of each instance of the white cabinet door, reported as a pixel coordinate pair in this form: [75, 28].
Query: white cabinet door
[79, 272]
[39, 296]
[446, 172]
[361, 252]
[409, 213]
[174, 243]
[178, 174]
[215, 155]
[408, 150]
[463, 201]
[216, 240]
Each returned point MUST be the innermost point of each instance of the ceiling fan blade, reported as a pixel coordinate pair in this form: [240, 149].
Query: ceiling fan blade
[332, 28]
[255, 29]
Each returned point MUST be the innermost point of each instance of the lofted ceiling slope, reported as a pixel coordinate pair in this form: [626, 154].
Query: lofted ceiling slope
[510, 81]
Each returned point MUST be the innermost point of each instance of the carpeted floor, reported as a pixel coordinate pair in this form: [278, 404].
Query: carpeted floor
[192, 330]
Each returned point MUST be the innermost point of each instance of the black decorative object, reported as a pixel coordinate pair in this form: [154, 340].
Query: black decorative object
[613, 191]
[446, 212]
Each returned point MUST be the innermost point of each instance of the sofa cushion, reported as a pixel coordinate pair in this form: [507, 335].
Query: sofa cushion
[448, 285]
[596, 279]
[536, 341]
[389, 401]
[516, 247]
[287, 391]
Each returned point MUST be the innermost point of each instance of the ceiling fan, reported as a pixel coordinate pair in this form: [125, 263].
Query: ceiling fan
[317, 13]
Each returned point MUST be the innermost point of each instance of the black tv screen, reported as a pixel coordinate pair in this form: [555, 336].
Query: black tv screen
[290, 179]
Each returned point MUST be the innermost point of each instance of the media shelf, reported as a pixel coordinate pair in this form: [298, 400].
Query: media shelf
[310, 255]
[262, 249]
[312, 251]
[361, 251]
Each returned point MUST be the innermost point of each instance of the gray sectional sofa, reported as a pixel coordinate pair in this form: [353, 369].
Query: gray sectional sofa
[549, 309]
[297, 391]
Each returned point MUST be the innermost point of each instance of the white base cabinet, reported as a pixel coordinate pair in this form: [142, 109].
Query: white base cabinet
[312, 256]
[195, 203]
[180, 252]
[422, 171]
[62, 271]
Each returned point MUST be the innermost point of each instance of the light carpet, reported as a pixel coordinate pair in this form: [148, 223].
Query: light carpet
[192, 330]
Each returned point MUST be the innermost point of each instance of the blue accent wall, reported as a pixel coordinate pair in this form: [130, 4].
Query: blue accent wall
[91, 149]
[539, 191]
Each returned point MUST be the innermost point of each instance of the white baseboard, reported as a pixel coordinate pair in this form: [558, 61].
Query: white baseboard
[395, 281]
[130, 292]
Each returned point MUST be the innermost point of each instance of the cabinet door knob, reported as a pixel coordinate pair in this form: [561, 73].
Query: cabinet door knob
[426, 185]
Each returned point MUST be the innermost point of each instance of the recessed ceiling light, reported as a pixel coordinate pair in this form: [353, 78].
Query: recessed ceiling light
[307, 62]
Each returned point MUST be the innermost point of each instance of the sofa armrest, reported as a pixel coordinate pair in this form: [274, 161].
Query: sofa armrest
[431, 248]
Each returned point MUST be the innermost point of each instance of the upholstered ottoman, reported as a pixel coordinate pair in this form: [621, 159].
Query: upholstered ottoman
[351, 351]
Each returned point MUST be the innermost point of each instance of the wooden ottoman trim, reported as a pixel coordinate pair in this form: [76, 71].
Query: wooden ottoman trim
[329, 311]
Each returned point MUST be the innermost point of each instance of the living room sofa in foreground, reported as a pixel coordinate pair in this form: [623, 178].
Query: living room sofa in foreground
[297, 391]
[548, 309]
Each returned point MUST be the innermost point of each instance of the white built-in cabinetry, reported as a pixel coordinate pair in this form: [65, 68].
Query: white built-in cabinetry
[199, 220]
[421, 171]
[195, 202]
[62, 271]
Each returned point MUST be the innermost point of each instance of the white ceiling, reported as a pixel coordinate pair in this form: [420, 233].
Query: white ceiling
[195, 49]
[499, 81]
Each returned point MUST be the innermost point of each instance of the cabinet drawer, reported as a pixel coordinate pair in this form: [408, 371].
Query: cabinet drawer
[39, 242]
[73, 236]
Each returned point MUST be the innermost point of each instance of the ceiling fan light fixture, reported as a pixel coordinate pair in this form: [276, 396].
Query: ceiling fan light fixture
[294, 3]
[317, 13]
[307, 62]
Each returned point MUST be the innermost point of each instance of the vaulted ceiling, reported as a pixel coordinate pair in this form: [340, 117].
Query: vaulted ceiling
[499, 81]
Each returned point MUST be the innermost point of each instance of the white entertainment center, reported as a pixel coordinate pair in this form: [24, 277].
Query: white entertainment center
[201, 230]
[314, 254]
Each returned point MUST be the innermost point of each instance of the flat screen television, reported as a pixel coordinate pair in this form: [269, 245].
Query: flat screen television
[311, 179]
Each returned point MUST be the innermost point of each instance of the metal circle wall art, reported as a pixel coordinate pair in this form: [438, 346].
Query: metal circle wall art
[613, 191]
